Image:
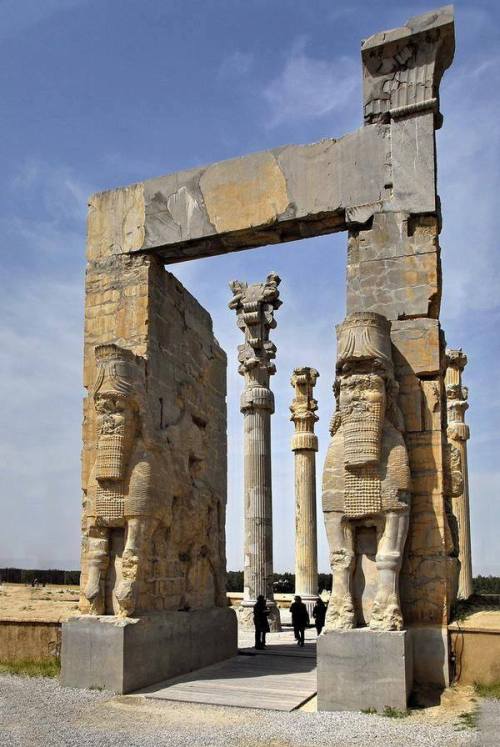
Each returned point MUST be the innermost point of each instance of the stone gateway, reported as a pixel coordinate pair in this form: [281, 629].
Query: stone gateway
[154, 466]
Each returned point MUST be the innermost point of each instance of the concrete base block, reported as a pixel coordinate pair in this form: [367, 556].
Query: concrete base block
[125, 655]
[430, 655]
[360, 669]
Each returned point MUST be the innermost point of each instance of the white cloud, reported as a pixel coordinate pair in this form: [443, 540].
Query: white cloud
[41, 320]
[309, 87]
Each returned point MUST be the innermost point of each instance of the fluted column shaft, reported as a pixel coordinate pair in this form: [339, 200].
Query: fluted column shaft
[306, 554]
[255, 306]
[304, 446]
[258, 569]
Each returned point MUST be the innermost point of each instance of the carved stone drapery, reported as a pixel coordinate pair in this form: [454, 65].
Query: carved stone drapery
[305, 446]
[255, 306]
[458, 435]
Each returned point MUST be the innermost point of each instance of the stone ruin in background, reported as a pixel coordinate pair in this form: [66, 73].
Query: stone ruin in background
[154, 456]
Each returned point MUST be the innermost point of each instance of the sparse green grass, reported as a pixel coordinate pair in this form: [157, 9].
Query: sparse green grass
[30, 668]
[488, 691]
[390, 712]
[467, 720]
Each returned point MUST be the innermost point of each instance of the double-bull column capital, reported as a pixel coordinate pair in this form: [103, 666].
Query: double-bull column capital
[255, 306]
[303, 408]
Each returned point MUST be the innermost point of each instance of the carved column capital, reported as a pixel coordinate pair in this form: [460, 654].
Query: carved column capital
[456, 395]
[255, 305]
[303, 408]
[402, 68]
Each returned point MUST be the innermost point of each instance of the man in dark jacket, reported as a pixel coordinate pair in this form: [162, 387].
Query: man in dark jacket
[260, 621]
[300, 619]
[319, 613]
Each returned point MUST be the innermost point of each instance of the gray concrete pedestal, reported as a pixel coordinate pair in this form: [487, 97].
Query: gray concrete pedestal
[123, 655]
[360, 669]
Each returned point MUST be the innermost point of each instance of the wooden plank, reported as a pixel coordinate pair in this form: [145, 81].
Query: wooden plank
[265, 681]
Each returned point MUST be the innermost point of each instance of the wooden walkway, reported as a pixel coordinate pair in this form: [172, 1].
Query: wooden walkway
[281, 678]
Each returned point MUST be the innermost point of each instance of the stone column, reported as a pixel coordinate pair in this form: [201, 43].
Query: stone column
[305, 446]
[255, 305]
[458, 434]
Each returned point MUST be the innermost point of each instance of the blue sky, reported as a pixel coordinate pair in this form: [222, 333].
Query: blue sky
[102, 93]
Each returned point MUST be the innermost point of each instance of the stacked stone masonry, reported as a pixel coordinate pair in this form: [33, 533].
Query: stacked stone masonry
[135, 308]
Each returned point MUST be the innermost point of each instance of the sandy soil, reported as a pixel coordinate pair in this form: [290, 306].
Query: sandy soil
[50, 603]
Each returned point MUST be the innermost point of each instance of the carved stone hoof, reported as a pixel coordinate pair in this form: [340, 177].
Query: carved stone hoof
[92, 588]
[340, 614]
[125, 596]
[387, 616]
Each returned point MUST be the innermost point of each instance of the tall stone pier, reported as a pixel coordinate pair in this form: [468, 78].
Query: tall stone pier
[255, 305]
[305, 446]
[458, 435]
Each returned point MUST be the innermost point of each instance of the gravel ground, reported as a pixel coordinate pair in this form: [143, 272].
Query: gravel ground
[489, 723]
[38, 711]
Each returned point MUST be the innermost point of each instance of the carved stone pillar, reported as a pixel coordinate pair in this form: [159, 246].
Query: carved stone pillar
[458, 434]
[255, 305]
[305, 446]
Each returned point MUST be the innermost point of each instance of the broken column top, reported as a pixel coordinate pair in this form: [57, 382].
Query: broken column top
[402, 68]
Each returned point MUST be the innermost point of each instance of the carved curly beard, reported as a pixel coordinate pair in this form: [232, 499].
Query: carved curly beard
[111, 457]
[362, 426]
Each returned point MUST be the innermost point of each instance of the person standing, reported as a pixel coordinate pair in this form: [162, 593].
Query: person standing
[300, 619]
[260, 621]
[319, 613]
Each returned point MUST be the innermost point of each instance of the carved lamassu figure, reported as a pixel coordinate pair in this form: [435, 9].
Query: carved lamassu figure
[120, 507]
[366, 479]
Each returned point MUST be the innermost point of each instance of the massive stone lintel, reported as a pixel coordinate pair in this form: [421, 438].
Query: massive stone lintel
[297, 191]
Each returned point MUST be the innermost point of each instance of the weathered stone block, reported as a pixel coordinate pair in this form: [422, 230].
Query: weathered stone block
[417, 346]
[410, 401]
[413, 170]
[125, 655]
[432, 405]
[424, 593]
[426, 461]
[115, 222]
[360, 669]
[397, 287]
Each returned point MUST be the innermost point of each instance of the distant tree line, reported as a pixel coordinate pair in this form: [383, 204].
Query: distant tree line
[283, 583]
[50, 576]
[486, 585]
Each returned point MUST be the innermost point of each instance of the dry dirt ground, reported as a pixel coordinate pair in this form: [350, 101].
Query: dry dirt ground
[51, 603]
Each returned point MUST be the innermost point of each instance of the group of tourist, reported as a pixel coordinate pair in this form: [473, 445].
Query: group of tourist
[300, 619]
